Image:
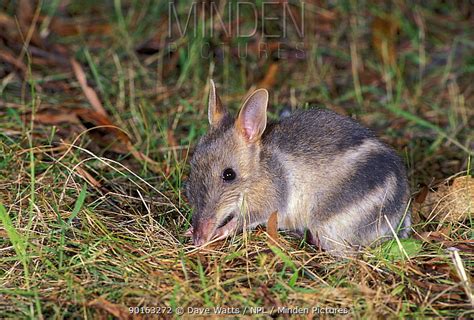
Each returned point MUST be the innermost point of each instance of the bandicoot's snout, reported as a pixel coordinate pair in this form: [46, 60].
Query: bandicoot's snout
[206, 229]
[202, 230]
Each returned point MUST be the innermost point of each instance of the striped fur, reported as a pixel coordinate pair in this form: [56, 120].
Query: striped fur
[321, 171]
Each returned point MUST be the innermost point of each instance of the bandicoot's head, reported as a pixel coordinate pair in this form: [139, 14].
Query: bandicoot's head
[223, 166]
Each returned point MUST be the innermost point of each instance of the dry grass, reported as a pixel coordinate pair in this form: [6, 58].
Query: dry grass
[92, 227]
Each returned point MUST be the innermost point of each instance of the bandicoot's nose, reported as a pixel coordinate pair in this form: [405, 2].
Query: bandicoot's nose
[199, 241]
[202, 231]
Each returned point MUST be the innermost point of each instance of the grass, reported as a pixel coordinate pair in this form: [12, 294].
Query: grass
[89, 230]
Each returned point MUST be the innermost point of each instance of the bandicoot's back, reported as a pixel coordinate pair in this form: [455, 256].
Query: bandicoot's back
[340, 179]
[321, 171]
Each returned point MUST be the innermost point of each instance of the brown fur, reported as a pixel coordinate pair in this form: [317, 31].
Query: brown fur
[321, 171]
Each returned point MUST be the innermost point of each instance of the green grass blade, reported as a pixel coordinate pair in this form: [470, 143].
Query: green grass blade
[287, 260]
[79, 203]
[15, 237]
[424, 123]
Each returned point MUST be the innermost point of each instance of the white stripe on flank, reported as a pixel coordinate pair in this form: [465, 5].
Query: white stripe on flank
[343, 225]
[308, 180]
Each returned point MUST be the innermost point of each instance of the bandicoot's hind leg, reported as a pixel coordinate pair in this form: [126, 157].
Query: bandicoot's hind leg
[313, 238]
[405, 229]
[308, 236]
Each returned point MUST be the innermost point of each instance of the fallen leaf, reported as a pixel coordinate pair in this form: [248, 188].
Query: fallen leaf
[104, 131]
[64, 27]
[88, 177]
[109, 135]
[429, 236]
[158, 41]
[325, 21]
[53, 116]
[6, 21]
[436, 287]
[9, 58]
[118, 311]
[270, 77]
[27, 19]
[435, 265]
[25, 13]
[172, 59]
[90, 94]
[421, 196]
[450, 202]
[172, 142]
[101, 130]
[384, 36]
[272, 226]
[442, 238]
[56, 56]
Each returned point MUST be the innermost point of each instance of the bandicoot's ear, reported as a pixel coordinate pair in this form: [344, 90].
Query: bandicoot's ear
[215, 111]
[252, 118]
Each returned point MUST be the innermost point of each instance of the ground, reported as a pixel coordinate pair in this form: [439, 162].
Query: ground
[101, 105]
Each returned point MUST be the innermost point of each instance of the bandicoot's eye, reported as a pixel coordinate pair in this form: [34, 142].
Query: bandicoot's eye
[228, 174]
